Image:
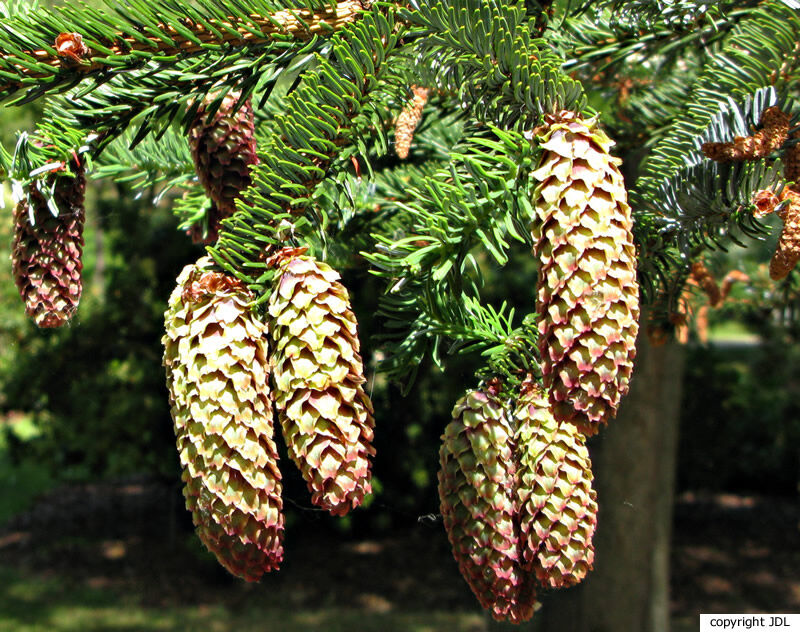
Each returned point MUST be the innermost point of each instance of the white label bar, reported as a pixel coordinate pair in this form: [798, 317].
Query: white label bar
[746, 622]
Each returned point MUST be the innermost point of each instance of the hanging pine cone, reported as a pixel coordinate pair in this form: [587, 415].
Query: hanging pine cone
[702, 277]
[325, 413]
[476, 490]
[223, 149]
[588, 295]
[408, 120]
[215, 354]
[47, 249]
[787, 252]
[557, 505]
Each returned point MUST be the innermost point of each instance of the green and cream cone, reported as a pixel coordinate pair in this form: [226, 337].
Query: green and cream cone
[477, 478]
[215, 354]
[326, 415]
[587, 295]
[557, 505]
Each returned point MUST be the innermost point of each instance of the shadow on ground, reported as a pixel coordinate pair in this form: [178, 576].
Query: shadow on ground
[119, 557]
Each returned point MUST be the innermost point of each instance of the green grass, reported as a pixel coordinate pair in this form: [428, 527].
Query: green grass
[731, 331]
[29, 604]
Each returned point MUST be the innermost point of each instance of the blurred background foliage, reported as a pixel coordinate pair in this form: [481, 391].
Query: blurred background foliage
[88, 402]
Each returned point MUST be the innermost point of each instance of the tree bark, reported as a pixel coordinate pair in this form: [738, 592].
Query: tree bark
[634, 465]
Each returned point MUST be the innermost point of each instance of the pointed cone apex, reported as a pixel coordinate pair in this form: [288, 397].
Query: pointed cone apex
[557, 505]
[476, 492]
[326, 415]
[47, 250]
[224, 149]
[588, 294]
[215, 354]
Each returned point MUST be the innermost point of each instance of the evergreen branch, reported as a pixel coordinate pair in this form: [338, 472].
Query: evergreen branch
[705, 203]
[165, 163]
[705, 212]
[594, 48]
[467, 213]
[194, 211]
[320, 124]
[484, 53]
[639, 17]
[349, 209]
[761, 51]
[459, 327]
[153, 100]
[51, 48]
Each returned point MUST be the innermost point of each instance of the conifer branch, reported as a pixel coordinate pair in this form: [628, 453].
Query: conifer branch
[320, 125]
[65, 45]
[471, 210]
[485, 53]
[760, 52]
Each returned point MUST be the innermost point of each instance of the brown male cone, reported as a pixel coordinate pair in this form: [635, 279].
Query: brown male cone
[588, 294]
[223, 149]
[476, 491]
[787, 252]
[557, 505]
[326, 415]
[408, 120]
[775, 127]
[46, 252]
[215, 354]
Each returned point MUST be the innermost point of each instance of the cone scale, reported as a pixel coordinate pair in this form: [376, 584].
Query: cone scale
[587, 294]
[326, 416]
[47, 250]
[215, 355]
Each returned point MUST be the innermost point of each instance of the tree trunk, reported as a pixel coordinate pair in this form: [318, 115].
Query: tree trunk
[634, 464]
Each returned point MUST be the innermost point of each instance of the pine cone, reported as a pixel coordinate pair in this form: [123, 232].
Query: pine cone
[588, 295]
[788, 250]
[703, 278]
[476, 489]
[791, 164]
[215, 354]
[47, 250]
[557, 505]
[325, 413]
[408, 120]
[775, 128]
[223, 149]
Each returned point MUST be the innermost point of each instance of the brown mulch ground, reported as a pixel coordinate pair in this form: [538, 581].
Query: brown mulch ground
[735, 554]
[731, 554]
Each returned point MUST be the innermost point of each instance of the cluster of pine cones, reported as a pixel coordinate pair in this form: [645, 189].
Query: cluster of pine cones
[515, 479]
[515, 482]
[220, 358]
[226, 365]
